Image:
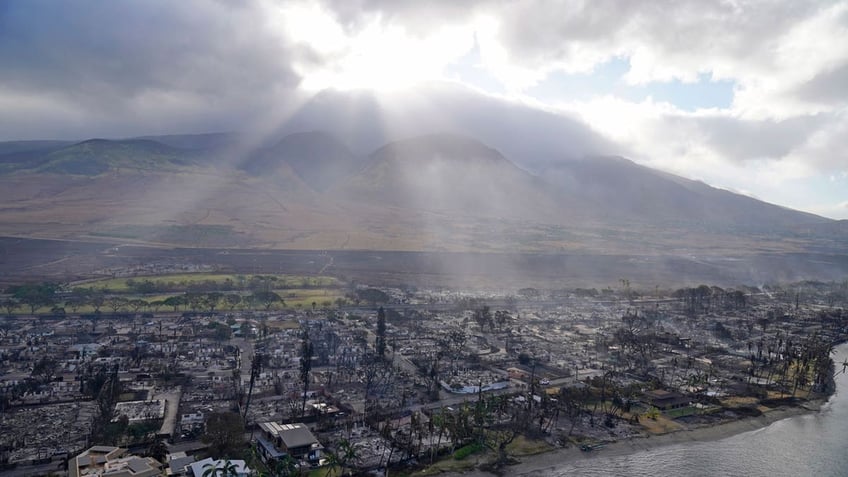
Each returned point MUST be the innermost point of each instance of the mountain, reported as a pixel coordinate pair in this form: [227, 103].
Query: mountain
[449, 173]
[435, 192]
[16, 155]
[366, 120]
[13, 147]
[633, 191]
[207, 141]
[318, 158]
[96, 156]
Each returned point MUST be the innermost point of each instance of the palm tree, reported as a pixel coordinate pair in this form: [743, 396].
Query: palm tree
[229, 469]
[346, 455]
[333, 463]
[285, 467]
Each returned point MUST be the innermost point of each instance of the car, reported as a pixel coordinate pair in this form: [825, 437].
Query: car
[545, 382]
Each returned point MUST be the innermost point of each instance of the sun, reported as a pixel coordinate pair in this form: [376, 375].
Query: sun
[374, 56]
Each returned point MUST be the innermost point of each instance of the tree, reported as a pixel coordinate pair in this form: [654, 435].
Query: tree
[498, 438]
[333, 463]
[255, 370]
[107, 387]
[97, 301]
[232, 300]
[174, 301]
[44, 369]
[158, 450]
[213, 299]
[35, 295]
[373, 296]
[137, 304]
[380, 343]
[228, 469]
[285, 467]
[267, 299]
[78, 298]
[221, 331]
[195, 301]
[483, 316]
[306, 353]
[502, 317]
[116, 303]
[346, 455]
[224, 433]
[10, 305]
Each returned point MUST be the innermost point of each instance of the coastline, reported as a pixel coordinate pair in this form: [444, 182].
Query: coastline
[544, 463]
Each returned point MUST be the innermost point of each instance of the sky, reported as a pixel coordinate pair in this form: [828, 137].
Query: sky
[750, 96]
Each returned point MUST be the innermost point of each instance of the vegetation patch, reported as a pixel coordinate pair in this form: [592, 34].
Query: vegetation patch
[466, 451]
[203, 282]
[522, 446]
[448, 465]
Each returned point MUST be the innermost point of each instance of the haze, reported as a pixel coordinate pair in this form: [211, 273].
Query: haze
[746, 96]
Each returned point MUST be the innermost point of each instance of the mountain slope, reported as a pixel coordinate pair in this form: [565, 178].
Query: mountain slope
[435, 192]
[96, 156]
[647, 195]
[11, 147]
[318, 158]
[449, 173]
[207, 141]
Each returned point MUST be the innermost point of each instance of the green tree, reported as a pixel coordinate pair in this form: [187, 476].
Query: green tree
[285, 467]
[373, 295]
[195, 301]
[267, 299]
[346, 455]
[228, 469]
[158, 450]
[157, 304]
[221, 331]
[174, 301]
[35, 295]
[224, 433]
[137, 304]
[213, 299]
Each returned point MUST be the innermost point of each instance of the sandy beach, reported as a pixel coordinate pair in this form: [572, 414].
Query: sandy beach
[543, 464]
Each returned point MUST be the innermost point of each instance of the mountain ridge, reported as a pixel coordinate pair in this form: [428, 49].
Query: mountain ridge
[427, 192]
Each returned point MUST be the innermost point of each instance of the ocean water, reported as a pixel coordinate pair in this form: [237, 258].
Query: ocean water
[814, 444]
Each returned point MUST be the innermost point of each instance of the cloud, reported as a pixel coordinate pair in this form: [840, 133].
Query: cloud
[523, 132]
[828, 87]
[103, 68]
[134, 67]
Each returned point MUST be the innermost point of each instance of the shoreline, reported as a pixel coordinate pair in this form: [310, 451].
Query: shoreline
[544, 463]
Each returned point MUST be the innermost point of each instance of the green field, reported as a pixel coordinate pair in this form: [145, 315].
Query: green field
[323, 298]
[135, 294]
[186, 280]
